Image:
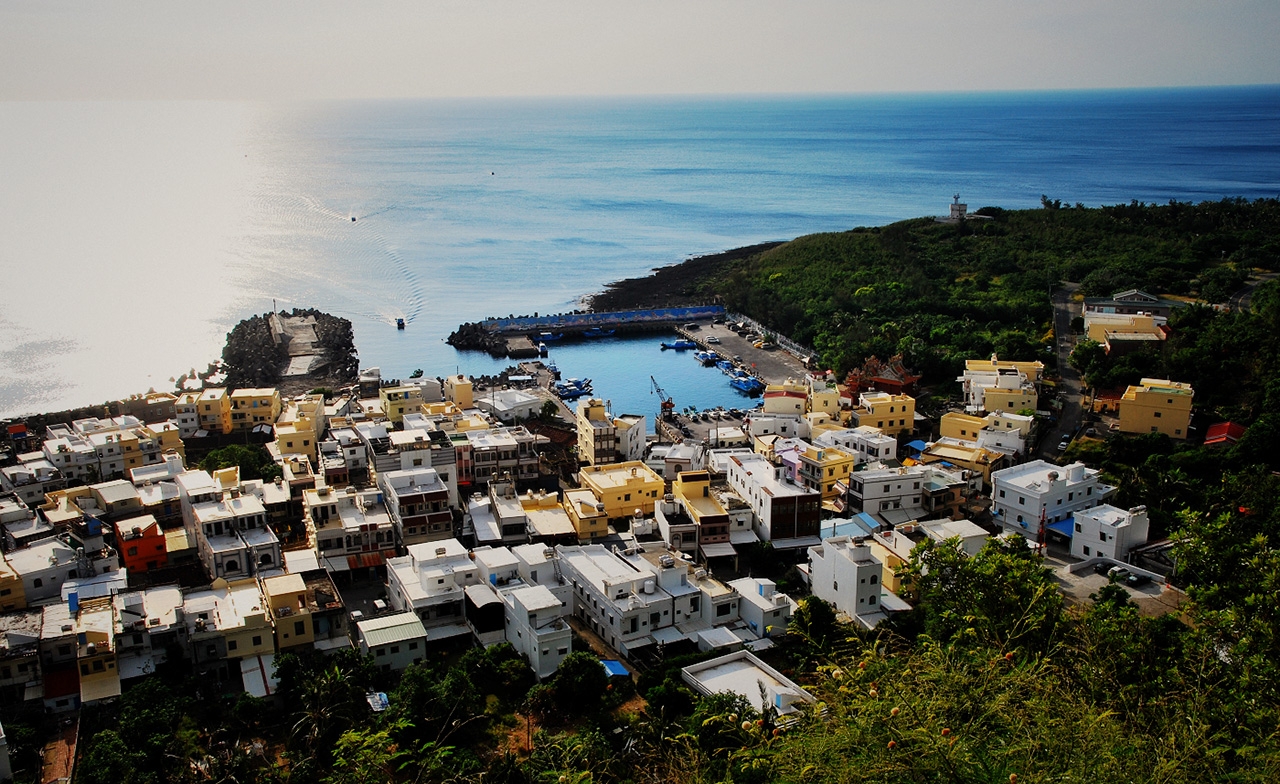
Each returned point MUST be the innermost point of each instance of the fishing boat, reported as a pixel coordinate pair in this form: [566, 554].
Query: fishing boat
[399, 321]
[707, 358]
[547, 337]
[596, 332]
[680, 345]
[745, 383]
[726, 367]
[572, 388]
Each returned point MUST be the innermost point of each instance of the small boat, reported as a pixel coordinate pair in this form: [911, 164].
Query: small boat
[399, 321]
[707, 358]
[745, 383]
[573, 388]
[547, 337]
[553, 370]
[542, 349]
[727, 367]
[596, 332]
[680, 345]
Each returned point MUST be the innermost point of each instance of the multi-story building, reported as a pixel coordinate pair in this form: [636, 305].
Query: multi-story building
[142, 544]
[13, 595]
[147, 624]
[19, 653]
[789, 397]
[865, 443]
[232, 537]
[49, 563]
[623, 488]
[31, 479]
[992, 385]
[999, 431]
[890, 414]
[214, 409]
[765, 611]
[431, 582]
[458, 390]
[1157, 406]
[289, 608]
[186, 412]
[825, 469]
[253, 407]
[893, 494]
[1025, 495]
[301, 426]
[597, 437]
[349, 529]
[508, 452]
[847, 575]
[225, 625]
[786, 514]
[418, 503]
[587, 514]
[398, 401]
[692, 491]
[1108, 532]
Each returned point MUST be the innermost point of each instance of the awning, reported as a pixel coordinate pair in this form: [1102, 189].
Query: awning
[364, 560]
[796, 543]
[445, 632]
[1064, 527]
[718, 550]
[743, 536]
[258, 673]
[99, 689]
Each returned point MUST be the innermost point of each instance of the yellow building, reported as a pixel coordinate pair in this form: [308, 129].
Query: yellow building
[286, 596]
[597, 437]
[1157, 406]
[12, 595]
[825, 469]
[146, 444]
[214, 409]
[398, 401]
[623, 487]
[95, 650]
[457, 390]
[972, 458]
[253, 407]
[824, 398]
[694, 489]
[789, 397]
[586, 514]
[1032, 370]
[890, 414]
[300, 426]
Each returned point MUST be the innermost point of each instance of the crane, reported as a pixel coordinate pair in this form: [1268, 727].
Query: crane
[668, 405]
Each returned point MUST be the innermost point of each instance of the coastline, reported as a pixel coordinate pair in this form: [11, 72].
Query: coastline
[676, 284]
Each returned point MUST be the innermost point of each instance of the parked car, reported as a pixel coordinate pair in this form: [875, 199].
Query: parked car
[1117, 573]
[1064, 443]
[1134, 580]
[1102, 567]
[713, 339]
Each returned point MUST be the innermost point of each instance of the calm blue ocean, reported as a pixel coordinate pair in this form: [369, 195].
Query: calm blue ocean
[472, 208]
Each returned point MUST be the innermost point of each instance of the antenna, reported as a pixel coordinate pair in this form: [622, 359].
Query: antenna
[957, 198]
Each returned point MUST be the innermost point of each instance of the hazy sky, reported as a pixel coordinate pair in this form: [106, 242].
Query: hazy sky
[259, 49]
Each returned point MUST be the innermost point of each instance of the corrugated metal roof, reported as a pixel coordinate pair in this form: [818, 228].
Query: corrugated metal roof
[391, 628]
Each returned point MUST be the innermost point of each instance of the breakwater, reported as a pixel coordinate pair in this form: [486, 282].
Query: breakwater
[491, 334]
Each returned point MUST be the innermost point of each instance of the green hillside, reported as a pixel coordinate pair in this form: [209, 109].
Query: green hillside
[939, 293]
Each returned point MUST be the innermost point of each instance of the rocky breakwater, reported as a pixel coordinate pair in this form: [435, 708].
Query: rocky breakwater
[474, 337]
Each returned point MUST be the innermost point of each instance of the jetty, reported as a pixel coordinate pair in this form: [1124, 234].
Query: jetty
[499, 336]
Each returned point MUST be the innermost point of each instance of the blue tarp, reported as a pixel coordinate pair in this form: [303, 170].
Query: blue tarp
[613, 667]
[1064, 527]
[918, 445]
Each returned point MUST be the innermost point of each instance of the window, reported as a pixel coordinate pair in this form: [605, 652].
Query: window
[299, 627]
[1022, 499]
[1102, 536]
[413, 646]
[722, 611]
[875, 579]
[380, 652]
[131, 551]
[257, 639]
[37, 583]
[232, 645]
[1086, 549]
[1078, 529]
[1157, 414]
[1002, 494]
[395, 649]
[871, 599]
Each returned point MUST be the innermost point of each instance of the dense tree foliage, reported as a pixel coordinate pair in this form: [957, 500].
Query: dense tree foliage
[254, 461]
[942, 293]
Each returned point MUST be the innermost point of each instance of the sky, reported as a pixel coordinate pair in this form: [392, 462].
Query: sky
[318, 49]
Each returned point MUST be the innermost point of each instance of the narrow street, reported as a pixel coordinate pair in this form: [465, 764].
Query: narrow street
[1069, 384]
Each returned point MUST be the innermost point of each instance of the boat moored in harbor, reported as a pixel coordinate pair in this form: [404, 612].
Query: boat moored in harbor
[679, 345]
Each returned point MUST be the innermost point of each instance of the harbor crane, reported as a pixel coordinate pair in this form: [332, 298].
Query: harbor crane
[668, 405]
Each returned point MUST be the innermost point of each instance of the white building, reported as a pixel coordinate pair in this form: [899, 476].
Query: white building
[232, 537]
[1024, 495]
[535, 626]
[509, 405]
[765, 611]
[785, 513]
[867, 444]
[1108, 532]
[394, 641]
[847, 575]
[893, 494]
[46, 565]
[431, 582]
[972, 537]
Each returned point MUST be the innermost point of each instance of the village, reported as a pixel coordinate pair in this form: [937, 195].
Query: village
[405, 518]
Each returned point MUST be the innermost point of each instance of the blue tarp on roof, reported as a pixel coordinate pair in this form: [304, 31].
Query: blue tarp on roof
[613, 667]
[918, 445]
[1064, 527]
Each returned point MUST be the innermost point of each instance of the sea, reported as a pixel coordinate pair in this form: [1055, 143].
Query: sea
[136, 234]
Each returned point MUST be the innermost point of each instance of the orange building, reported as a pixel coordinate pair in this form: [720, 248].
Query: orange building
[141, 543]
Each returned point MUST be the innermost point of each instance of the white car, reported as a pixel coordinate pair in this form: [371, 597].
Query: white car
[713, 339]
